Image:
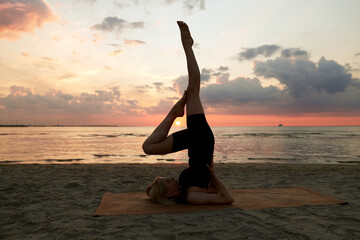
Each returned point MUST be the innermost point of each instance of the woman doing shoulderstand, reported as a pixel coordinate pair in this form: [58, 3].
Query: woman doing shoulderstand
[194, 182]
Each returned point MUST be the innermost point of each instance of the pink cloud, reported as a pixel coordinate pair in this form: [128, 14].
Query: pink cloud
[114, 53]
[133, 42]
[23, 16]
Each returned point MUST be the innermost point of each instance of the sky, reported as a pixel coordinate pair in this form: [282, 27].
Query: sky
[121, 62]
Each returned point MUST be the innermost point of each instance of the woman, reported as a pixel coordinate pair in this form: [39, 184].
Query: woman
[194, 182]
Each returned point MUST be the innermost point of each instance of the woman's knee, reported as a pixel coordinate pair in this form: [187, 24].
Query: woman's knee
[147, 148]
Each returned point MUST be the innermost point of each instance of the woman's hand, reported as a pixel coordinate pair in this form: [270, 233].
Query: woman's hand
[213, 188]
[217, 191]
[211, 170]
[211, 167]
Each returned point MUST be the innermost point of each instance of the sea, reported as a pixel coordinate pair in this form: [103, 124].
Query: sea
[107, 145]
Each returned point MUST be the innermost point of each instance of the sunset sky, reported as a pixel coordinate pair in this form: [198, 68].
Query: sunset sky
[121, 62]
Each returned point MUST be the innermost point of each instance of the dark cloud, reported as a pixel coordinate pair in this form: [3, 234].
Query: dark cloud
[221, 74]
[301, 76]
[17, 16]
[307, 87]
[114, 24]
[191, 5]
[239, 90]
[223, 69]
[180, 84]
[246, 96]
[205, 74]
[159, 86]
[264, 50]
[357, 54]
[294, 52]
[223, 78]
[143, 89]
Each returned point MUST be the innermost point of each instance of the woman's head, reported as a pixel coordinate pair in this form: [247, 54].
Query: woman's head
[163, 190]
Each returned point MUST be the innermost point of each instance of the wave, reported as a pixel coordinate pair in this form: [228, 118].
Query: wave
[345, 162]
[263, 134]
[25, 134]
[7, 161]
[104, 155]
[275, 159]
[164, 159]
[63, 160]
[115, 135]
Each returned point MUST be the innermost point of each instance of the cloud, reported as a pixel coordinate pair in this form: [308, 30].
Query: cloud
[162, 108]
[143, 89]
[114, 24]
[223, 68]
[113, 45]
[300, 76]
[180, 84]
[86, 1]
[189, 6]
[48, 59]
[357, 54]
[294, 52]
[246, 96]
[24, 100]
[307, 88]
[115, 53]
[206, 74]
[133, 42]
[159, 86]
[18, 16]
[264, 50]
[239, 90]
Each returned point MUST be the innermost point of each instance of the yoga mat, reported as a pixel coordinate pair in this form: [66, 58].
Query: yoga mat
[247, 199]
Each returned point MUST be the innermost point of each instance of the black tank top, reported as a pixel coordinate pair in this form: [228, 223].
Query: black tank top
[193, 177]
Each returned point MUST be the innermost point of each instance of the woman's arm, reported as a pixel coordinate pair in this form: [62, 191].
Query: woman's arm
[222, 197]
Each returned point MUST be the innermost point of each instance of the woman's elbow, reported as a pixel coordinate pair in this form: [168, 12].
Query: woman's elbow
[229, 200]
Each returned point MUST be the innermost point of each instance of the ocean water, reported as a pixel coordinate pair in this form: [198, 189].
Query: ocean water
[64, 145]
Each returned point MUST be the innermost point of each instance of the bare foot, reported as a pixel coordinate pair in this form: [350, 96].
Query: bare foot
[178, 108]
[186, 38]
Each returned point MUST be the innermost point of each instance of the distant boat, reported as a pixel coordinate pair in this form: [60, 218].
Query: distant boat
[280, 125]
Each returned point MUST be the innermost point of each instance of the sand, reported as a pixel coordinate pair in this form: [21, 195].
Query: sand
[57, 202]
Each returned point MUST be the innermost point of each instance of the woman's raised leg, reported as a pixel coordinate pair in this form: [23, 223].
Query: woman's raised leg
[159, 142]
[193, 104]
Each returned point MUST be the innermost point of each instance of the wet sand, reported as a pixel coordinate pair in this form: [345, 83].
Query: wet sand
[57, 202]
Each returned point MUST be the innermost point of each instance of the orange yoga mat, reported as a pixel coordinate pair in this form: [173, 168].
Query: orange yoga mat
[247, 199]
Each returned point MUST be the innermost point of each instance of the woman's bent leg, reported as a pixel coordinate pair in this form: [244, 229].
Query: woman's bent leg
[159, 142]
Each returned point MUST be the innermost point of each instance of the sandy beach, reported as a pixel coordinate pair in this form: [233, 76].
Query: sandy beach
[57, 202]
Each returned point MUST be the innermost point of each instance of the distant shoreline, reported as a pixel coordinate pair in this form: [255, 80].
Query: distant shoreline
[58, 125]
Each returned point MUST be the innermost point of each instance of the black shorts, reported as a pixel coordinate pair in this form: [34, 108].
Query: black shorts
[198, 139]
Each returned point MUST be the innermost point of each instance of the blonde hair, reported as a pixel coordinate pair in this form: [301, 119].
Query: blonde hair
[156, 191]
